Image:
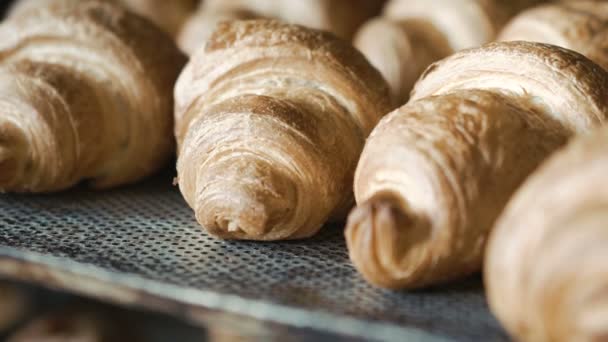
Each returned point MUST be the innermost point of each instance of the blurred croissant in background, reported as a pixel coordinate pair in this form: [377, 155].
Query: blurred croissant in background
[168, 15]
[341, 17]
[576, 25]
[412, 34]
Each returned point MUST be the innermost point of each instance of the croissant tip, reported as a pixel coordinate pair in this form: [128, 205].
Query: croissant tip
[251, 221]
[235, 217]
[381, 212]
[380, 236]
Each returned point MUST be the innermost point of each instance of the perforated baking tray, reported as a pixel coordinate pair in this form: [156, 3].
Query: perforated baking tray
[141, 246]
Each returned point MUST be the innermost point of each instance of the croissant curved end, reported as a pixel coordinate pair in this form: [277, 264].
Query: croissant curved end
[384, 242]
[240, 214]
[237, 208]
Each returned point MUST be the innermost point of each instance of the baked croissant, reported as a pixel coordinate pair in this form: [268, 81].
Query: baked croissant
[436, 173]
[270, 121]
[576, 25]
[168, 15]
[412, 34]
[85, 92]
[545, 269]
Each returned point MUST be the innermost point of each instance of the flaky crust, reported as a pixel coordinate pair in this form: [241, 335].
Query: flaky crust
[412, 34]
[580, 25]
[84, 97]
[563, 84]
[270, 121]
[435, 174]
[545, 268]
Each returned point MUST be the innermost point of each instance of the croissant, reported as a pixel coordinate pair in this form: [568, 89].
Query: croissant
[545, 270]
[576, 25]
[412, 34]
[436, 173]
[168, 15]
[85, 92]
[270, 121]
[342, 17]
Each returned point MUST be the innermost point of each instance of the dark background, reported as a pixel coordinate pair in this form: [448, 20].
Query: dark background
[3, 6]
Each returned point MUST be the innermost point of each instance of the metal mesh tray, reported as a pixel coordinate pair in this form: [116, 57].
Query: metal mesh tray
[141, 246]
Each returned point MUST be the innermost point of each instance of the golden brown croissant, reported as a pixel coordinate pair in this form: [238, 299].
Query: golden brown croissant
[412, 34]
[436, 173]
[169, 15]
[580, 25]
[85, 92]
[270, 122]
[545, 268]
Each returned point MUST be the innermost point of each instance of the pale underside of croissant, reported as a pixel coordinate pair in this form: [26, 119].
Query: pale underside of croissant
[169, 15]
[412, 34]
[436, 173]
[270, 122]
[576, 25]
[545, 269]
[85, 95]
